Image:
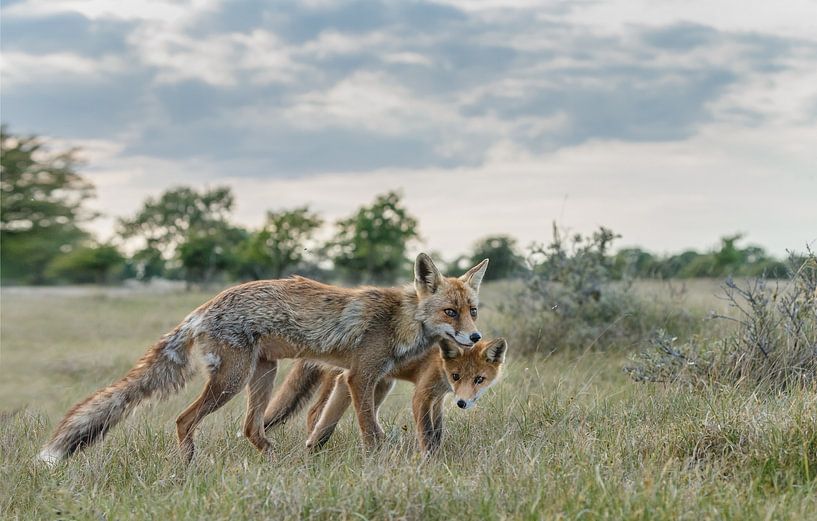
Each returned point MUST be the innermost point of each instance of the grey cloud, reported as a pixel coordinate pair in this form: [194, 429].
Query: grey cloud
[683, 36]
[65, 33]
[617, 87]
[76, 110]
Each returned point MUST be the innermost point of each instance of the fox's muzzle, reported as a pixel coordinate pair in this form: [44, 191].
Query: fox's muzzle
[466, 340]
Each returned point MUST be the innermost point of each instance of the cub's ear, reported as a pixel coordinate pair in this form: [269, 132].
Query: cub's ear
[449, 350]
[473, 277]
[427, 277]
[495, 350]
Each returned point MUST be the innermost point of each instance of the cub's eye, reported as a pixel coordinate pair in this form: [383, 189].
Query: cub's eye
[474, 312]
[479, 379]
[451, 313]
[455, 376]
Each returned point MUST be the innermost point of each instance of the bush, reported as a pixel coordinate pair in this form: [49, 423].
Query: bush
[99, 264]
[773, 344]
[571, 300]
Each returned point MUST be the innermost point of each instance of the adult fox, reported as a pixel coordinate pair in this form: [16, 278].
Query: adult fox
[468, 373]
[241, 333]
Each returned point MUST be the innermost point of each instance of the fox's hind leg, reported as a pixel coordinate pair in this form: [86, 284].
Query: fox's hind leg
[259, 390]
[333, 409]
[228, 374]
[325, 391]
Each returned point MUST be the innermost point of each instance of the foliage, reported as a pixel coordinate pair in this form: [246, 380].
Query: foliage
[206, 253]
[773, 344]
[187, 226]
[99, 264]
[147, 263]
[167, 222]
[371, 244]
[728, 259]
[279, 246]
[505, 261]
[42, 205]
[571, 300]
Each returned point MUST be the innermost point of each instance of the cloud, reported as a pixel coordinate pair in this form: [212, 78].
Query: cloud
[20, 69]
[164, 10]
[345, 98]
[366, 101]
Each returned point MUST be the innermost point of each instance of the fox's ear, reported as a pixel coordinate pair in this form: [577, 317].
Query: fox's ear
[495, 350]
[473, 277]
[449, 349]
[427, 277]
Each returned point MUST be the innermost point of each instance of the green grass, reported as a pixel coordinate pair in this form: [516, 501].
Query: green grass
[561, 437]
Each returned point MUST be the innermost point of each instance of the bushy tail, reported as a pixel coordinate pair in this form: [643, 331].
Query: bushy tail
[162, 371]
[295, 392]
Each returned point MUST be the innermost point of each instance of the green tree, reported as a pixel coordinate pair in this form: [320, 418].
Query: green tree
[42, 205]
[206, 253]
[179, 216]
[505, 261]
[279, 246]
[100, 264]
[147, 263]
[165, 223]
[675, 265]
[371, 244]
[634, 262]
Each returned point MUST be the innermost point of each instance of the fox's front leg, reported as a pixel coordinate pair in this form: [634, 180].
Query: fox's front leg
[423, 410]
[437, 421]
[361, 388]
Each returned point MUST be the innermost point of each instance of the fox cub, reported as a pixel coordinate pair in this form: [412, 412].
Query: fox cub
[467, 373]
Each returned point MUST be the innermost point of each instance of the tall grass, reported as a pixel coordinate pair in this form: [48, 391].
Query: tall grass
[564, 436]
[773, 343]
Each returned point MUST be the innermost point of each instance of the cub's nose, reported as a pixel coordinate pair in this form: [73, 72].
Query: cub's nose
[461, 404]
[475, 337]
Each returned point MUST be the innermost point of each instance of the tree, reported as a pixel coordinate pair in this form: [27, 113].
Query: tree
[634, 262]
[147, 263]
[279, 246]
[371, 244]
[205, 253]
[98, 264]
[42, 205]
[167, 222]
[505, 261]
[179, 216]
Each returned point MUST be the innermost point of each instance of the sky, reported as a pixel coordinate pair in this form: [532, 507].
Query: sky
[672, 122]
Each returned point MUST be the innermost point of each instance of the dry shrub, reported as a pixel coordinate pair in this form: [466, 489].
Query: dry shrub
[773, 343]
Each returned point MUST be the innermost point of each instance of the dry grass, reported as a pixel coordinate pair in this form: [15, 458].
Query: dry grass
[561, 437]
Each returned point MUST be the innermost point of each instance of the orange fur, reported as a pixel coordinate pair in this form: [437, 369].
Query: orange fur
[434, 374]
[240, 335]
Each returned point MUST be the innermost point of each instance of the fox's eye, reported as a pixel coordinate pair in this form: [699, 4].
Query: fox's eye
[455, 376]
[451, 313]
[479, 379]
[474, 312]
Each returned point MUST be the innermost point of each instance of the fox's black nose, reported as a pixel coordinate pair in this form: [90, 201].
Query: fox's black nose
[475, 337]
[461, 404]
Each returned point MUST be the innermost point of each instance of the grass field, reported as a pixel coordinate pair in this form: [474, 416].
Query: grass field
[565, 436]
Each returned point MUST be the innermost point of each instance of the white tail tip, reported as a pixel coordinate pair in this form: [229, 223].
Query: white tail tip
[50, 456]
